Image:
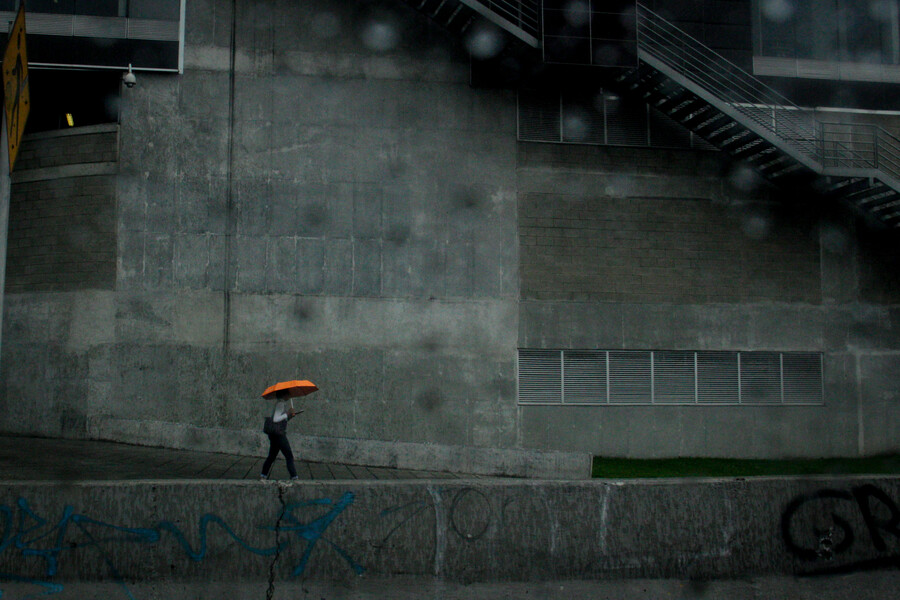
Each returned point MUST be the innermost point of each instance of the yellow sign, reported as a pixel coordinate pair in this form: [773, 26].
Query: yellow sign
[15, 86]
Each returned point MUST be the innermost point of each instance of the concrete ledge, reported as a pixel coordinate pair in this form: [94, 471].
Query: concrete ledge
[66, 171]
[73, 131]
[464, 531]
[376, 453]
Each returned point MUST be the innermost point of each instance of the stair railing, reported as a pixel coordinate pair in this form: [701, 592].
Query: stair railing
[525, 14]
[833, 145]
[726, 81]
[859, 146]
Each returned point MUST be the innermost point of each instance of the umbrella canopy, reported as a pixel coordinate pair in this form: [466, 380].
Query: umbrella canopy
[294, 388]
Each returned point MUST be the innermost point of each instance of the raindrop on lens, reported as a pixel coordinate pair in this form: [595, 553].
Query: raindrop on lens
[744, 178]
[755, 226]
[484, 42]
[777, 10]
[577, 13]
[575, 128]
[380, 36]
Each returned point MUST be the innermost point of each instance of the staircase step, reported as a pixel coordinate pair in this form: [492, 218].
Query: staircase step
[787, 171]
[847, 186]
[454, 14]
[891, 218]
[874, 199]
[748, 148]
[676, 98]
[722, 133]
[737, 140]
[866, 195]
[709, 124]
[695, 108]
[763, 155]
[891, 201]
[774, 164]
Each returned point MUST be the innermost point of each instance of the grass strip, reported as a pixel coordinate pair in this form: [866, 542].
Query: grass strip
[626, 468]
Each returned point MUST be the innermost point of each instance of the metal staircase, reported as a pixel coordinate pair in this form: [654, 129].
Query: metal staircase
[681, 77]
[518, 17]
[736, 112]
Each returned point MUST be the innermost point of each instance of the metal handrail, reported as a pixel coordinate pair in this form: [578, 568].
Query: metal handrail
[830, 144]
[525, 14]
[860, 145]
[726, 81]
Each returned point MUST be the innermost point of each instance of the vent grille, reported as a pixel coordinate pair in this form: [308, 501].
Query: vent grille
[540, 376]
[669, 377]
[585, 377]
[629, 377]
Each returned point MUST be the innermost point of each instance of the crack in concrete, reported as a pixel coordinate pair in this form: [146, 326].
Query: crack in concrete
[270, 591]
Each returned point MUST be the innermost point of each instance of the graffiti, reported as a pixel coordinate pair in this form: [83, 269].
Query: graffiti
[469, 515]
[843, 531]
[32, 536]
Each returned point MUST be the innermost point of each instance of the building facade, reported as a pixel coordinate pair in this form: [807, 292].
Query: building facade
[465, 240]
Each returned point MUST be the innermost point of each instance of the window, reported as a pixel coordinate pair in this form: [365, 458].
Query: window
[669, 377]
[801, 39]
[102, 33]
[603, 118]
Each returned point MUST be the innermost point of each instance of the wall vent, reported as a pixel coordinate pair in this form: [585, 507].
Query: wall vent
[669, 377]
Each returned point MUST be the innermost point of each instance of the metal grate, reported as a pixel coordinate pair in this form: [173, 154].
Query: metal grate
[586, 377]
[630, 379]
[540, 376]
[674, 377]
[669, 377]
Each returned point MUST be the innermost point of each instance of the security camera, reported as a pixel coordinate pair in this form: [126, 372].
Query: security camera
[129, 79]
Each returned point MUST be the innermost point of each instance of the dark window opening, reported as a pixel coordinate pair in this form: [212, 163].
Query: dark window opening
[85, 97]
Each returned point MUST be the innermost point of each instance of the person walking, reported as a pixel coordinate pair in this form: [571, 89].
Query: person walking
[277, 433]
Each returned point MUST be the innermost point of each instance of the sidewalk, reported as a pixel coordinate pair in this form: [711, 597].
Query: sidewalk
[43, 459]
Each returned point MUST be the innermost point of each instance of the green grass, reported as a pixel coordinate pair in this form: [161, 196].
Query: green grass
[623, 468]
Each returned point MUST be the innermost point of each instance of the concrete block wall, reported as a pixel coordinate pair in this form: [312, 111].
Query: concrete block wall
[62, 233]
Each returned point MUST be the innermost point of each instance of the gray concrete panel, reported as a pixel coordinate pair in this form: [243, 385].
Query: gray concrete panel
[459, 531]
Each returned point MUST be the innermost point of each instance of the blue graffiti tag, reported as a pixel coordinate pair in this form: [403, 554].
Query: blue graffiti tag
[312, 531]
[32, 536]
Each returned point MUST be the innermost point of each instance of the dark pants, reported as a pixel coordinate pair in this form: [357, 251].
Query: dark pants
[278, 442]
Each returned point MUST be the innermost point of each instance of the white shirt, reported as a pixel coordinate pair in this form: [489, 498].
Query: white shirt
[280, 413]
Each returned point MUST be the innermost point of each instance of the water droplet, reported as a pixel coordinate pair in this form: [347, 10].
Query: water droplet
[484, 41]
[380, 36]
[777, 10]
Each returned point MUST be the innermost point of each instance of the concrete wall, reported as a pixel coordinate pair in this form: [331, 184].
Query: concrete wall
[667, 250]
[146, 533]
[327, 199]
[63, 214]
[322, 195]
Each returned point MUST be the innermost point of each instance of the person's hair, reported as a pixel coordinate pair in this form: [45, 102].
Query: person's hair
[281, 394]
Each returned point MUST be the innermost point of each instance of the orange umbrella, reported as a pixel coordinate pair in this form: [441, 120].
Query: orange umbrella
[294, 388]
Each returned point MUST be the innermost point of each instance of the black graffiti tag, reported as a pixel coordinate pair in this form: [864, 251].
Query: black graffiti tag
[870, 548]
